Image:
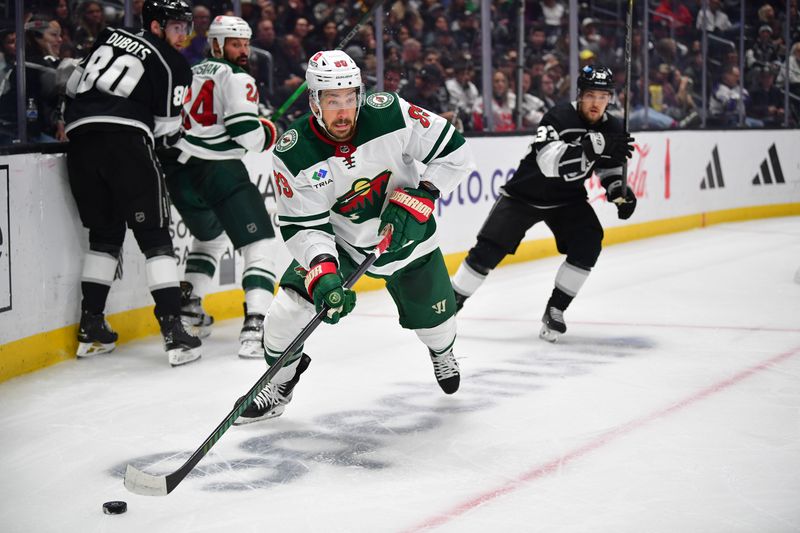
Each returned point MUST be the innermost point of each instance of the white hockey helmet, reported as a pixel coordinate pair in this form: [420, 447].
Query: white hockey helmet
[332, 69]
[225, 26]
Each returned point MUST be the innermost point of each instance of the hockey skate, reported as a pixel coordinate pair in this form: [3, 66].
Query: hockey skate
[553, 324]
[445, 368]
[251, 337]
[181, 347]
[272, 400]
[95, 336]
[194, 318]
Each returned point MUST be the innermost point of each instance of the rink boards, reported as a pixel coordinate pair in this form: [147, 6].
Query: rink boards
[683, 180]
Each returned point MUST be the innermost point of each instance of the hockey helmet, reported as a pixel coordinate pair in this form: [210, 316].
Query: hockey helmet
[162, 11]
[332, 69]
[594, 78]
[223, 27]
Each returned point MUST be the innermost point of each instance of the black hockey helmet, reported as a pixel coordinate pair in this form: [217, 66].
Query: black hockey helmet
[165, 10]
[594, 78]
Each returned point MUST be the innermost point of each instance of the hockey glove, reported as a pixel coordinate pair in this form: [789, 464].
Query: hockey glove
[324, 285]
[625, 204]
[408, 211]
[617, 146]
[270, 132]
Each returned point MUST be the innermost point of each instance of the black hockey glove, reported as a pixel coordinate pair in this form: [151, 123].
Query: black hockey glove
[617, 146]
[625, 204]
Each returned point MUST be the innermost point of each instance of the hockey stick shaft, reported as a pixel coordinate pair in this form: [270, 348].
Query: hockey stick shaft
[627, 90]
[344, 42]
[145, 484]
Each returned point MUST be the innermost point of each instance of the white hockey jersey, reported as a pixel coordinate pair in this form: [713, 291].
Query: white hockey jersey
[220, 113]
[333, 193]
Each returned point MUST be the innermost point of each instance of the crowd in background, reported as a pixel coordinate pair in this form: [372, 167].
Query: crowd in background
[432, 52]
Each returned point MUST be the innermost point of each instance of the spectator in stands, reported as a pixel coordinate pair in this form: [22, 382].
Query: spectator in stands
[589, 36]
[63, 15]
[726, 96]
[767, 100]
[411, 58]
[766, 15]
[671, 16]
[42, 49]
[502, 110]
[196, 44]
[464, 95]
[547, 92]
[136, 12]
[91, 22]
[554, 13]
[428, 92]
[265, 37]
[716, 20]
[392, 77]
[533, 108]
[326, 37]
[536, 46]
[8, 48]
[289, 67]
[250, 12]
[762, 56]
[302, 29]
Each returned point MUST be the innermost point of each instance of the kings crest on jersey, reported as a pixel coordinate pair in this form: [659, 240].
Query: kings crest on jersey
[135, 80]
[333, 193]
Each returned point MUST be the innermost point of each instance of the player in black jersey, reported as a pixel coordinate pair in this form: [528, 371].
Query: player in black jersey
[126, 97]
[573, 141]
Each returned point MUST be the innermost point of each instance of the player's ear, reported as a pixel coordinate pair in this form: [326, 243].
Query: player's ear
[155, 28]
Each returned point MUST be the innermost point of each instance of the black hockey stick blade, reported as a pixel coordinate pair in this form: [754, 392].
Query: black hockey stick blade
[345, 40]
[139, 482]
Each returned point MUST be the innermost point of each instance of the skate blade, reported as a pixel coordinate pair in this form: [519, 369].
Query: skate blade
[548, 334]
[274, 413]
[88, 349]
[251, 350]
[179, 356]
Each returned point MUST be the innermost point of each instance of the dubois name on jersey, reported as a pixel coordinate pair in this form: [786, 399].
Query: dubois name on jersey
[134, 80]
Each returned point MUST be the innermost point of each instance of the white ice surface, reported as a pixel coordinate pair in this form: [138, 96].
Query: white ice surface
[671, 405]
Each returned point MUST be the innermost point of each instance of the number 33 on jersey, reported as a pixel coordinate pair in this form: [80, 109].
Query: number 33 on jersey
[220, 113]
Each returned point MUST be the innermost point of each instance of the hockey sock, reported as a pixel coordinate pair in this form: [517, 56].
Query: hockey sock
[162, 280]
[98, 274]
[467, 280]
[258, 278]
[569, 280]
[201, 264]
[288, 315]
[439, 339]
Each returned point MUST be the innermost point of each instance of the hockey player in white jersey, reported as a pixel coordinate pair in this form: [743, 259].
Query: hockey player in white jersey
[343, 173]
[210, 187]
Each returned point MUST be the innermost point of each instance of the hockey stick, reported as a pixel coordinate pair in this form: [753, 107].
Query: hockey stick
[347, 38]
[627, 91]
[146, 484]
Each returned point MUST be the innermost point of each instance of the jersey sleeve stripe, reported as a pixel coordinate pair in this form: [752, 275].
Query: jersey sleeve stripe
[447, 129]
[240, 128]
[238, 117]
[456, 140]
[304, 219]
[287, 232]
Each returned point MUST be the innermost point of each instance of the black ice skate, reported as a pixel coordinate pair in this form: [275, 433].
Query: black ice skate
[194, 318]
[251, 337]
[445, 368]
[272, 400]
[553, 324]
[181, 347]
[95, 336]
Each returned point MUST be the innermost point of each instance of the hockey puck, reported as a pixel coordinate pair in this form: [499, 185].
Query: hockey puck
[117, 507]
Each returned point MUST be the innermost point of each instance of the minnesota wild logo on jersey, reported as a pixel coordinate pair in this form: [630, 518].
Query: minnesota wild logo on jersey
[365, 198]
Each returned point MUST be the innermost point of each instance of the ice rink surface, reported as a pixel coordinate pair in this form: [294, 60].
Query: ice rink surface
[671, 405]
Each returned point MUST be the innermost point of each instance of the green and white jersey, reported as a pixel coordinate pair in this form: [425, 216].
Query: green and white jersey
[333, 193]
[220, 113]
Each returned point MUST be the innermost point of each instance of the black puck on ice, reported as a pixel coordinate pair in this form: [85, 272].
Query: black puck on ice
[117, 507]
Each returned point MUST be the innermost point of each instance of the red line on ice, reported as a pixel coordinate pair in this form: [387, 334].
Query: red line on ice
[620, 431]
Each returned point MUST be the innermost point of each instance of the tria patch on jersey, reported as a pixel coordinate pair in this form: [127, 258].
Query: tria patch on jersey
[286, 141]
[364, 200]
[380, 100]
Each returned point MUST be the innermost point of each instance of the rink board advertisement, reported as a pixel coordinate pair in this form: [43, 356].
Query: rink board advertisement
[682, 180]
